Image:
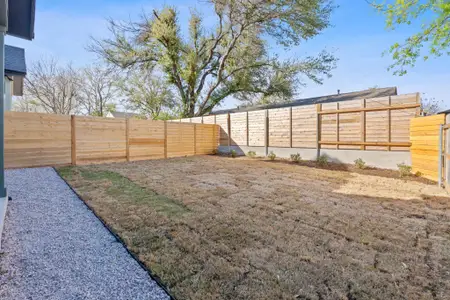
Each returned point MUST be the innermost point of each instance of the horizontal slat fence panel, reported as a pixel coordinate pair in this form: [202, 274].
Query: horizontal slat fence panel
[328, 125]
[350, 124]
[304, 126]
[222, 121]
[279, 127]
[100, 140]
[180, 139]
[33, 139]
[206, 139]
[238, 123]
[36, 139]
[362, 124]
[425, 145]
[145, 139]
[256, 129]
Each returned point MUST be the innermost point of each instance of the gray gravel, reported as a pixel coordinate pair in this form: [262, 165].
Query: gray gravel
[55, 248]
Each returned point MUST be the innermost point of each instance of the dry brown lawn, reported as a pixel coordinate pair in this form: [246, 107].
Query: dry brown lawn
[220, 228]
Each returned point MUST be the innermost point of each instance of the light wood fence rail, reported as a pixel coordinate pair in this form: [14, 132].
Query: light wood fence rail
[34, 139]
[365, 124]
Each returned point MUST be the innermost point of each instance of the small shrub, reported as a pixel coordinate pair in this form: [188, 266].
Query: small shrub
[233, 153]
[251, 154]
[272, 155]
[296, 158]
[214, 152]
[404, 170]
[322, 160]
[418, 174]
[360, 164]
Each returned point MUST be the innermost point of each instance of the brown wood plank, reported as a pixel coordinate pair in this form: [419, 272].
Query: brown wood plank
[356, 143]
[367, 109]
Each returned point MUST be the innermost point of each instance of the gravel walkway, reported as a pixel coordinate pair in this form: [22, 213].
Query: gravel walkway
[55, 248]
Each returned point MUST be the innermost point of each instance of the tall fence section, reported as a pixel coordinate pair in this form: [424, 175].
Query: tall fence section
[363, 124]
[426, 142]
[33, 139]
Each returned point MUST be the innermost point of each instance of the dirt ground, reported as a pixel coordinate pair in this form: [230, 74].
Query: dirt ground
[221, 228]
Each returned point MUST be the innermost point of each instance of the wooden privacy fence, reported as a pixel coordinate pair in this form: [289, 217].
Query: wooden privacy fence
[364, 124]
[33, 139]
[425, 145]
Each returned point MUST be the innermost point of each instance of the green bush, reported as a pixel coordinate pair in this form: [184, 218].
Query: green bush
[296, 157]
[251, 154]
[404, 170]
[272, 155]
[233, 153]
[360, 164]
[322, 160]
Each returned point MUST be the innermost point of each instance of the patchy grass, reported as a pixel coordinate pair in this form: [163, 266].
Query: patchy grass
[219, 228]
[123, 189]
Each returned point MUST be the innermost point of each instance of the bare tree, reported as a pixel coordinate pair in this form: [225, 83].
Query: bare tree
[148, 94]
[430, 106]
[25, 104]
[98, 90]
[55, 87]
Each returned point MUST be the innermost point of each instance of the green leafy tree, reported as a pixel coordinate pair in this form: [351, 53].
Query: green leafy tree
[147, 94]
[433, 39]
[230, 59]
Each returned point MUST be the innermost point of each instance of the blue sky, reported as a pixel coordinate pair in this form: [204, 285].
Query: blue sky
[358, 38]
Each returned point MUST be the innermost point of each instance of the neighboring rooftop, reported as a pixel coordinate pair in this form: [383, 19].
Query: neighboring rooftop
[366, 94]
[126, 115]
[15, 61]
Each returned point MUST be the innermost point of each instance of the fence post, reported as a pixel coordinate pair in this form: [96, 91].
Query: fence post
[73, 140]
[418, 109]
[248, 143]
[389, 124]
[363, 124]
[266, 131]
[441, 131]
[195, 139]
[337, 125]
[127, 137]
[318, 128]
[446, 154]
[229, 132]
[290, 127]
[165, 139]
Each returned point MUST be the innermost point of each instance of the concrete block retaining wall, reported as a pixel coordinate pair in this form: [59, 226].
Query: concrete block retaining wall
[379, 159]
